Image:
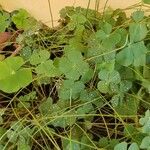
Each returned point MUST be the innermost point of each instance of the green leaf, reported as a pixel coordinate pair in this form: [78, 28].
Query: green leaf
[100, 35]
[121, 146]
[123, 34]
[125, 86]
[109, 76]
[70, 145]
[107, 28]
[25, 101]
[138, 32]
[138, 15]
[3, 135]
[28, 97]
[85, 109]
[76, 20]
[47, 69]
[139, 52]
[115, 100]
[65, 119]
[46, 106]
[146, 1]
[22, 144]
[2, 147]
[70, 89]
[129, 107]
[111, 41]
[103, 86]
[133, 54]
[9, 66]
[87, 76]
[125, 57]
[145, 143]
[72, 67]
[23, 105]
[23, 20]
[13, 73]
[133, 146]
[39, 57]
[4, 22]
[145, 122]
[103, 142]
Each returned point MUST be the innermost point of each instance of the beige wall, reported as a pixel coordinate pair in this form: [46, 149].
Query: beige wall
[40, 8]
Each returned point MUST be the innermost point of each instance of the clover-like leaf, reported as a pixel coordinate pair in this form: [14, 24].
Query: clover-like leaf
[76, 20]
[24, 101]
[121, 146]
[125, 86]
[125, 57]
[84, 110]
[47, 69]
[133, 146]
[128, 107]
[111, 41]
[145, 122]
[134, 54]
[70, 89]
[103, 86]
[44, 66]
[73, 66]
[70, 145]
[138, 15]
[12, 72]
[145, 143]
[139, 53]
[109, 76]
[39, 57]
[115, 101]
[138, 32]
[46, 106]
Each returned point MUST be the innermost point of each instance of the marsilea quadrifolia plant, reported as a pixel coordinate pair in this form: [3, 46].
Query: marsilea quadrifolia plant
[84, 85]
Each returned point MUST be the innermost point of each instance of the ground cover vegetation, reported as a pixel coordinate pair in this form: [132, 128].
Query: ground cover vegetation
[83, 85]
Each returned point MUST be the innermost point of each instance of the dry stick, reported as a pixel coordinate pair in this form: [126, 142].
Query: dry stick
[17, 50]
[88, 6]
[105, 8]
[50, 10]
[97, 3]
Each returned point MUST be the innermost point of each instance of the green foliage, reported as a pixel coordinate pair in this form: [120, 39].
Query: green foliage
[70, 89]
[123, 146]
[82, 85]
[25, 101]
[107, 78]
[23, 20]
[4, 21]
[44, 66]
[138, 16]
[133, 54]
[19, 136]
[13, 72]
[72, 65]
[146, 1]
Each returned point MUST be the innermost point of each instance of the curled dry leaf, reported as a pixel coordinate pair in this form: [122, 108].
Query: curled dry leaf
[4, 37]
